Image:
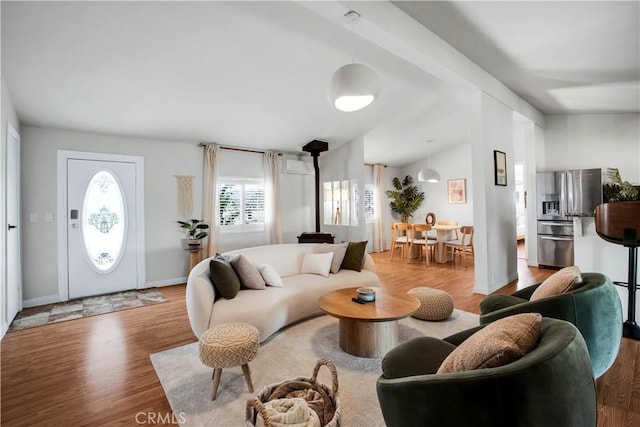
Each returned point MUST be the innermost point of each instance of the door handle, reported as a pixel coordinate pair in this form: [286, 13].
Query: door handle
[12, 226]
[564, 239]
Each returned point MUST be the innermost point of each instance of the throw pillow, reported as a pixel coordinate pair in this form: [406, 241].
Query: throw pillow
[270, 276]
[317, 264]
[248, 274]
[224, 278]
[497, 344]
[339, 250]
[354, 257]
[560, 282]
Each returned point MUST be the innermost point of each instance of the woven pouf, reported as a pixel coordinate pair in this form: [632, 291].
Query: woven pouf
[435, 304]
[228, 345]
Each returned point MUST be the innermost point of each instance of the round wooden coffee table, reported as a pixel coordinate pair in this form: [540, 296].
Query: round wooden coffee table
[370, 329]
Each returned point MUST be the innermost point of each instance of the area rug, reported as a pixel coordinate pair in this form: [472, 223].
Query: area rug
[91, 306]
[291, 353]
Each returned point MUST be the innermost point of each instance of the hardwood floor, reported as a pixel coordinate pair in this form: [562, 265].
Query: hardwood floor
[96, 370]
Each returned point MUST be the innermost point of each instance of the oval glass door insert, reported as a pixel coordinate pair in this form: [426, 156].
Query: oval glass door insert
[104, 222]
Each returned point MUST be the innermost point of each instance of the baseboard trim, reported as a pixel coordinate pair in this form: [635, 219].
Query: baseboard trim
[46, 299]
[168, 282]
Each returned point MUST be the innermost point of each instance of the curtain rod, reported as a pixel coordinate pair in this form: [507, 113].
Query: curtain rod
[373, 164]
[246, 150]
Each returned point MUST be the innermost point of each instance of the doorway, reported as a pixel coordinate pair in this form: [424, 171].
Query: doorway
[101, 227]
[13, 251]
[520, 198]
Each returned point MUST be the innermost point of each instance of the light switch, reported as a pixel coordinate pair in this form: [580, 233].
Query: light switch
[48, 217]
[33, 218]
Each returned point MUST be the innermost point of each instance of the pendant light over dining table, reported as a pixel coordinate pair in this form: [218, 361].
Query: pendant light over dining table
[353, 86]
[427, 174]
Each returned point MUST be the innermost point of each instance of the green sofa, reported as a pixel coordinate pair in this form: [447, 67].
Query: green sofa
[594, 308]
[551, 385]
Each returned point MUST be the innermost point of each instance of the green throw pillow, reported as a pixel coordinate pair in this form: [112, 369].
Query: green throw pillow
[224, 278]
[354, 258]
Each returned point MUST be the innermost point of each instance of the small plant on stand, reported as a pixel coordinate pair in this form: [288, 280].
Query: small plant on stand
[196, 231]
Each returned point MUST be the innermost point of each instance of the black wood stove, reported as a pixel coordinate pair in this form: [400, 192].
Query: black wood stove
[316, 147]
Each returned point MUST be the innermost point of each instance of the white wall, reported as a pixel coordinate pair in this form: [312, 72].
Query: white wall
[346, 163]
[298, 201]
[493, 206]
[166, 261]
[8, 116]
[596, 141]
[454, 163]
[579, 141]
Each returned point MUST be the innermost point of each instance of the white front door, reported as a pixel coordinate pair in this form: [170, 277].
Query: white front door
[14, 276]
[102, 220]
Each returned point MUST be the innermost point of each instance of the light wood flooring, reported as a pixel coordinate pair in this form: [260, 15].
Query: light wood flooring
[96, 371]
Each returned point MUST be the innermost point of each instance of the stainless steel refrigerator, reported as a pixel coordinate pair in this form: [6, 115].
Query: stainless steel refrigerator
[563, 195]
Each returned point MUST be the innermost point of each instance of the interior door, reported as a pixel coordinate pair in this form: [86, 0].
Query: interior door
[13, 259]
[101, 227]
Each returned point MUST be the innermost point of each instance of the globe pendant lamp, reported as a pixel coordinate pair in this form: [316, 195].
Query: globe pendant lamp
[353, 86]
[428, 174]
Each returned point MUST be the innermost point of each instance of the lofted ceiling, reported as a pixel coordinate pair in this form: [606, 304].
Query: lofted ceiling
[560, 56]
[255, 74]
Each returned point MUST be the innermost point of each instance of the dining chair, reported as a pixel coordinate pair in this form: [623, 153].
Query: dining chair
[461, 247]
[419, 238]
[400, 232]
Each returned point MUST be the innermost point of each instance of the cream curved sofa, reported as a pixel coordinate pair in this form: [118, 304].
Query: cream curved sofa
[273, 308]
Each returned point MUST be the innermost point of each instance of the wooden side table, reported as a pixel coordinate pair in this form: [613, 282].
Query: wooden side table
[194, 255]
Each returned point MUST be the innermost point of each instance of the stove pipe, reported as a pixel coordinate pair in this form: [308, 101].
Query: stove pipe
[316, 147]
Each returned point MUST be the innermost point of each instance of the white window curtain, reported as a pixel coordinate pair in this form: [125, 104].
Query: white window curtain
[378, 227]
[272, 214]
[210, 199]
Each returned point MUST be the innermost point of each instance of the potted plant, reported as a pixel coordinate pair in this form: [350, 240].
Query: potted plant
[617, 190]
[405, 199]
[195, 231]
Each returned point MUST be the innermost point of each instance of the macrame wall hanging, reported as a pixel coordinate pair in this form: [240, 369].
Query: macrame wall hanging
[185, 195]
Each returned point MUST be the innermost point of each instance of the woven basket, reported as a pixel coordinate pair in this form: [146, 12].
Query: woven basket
[256, 408]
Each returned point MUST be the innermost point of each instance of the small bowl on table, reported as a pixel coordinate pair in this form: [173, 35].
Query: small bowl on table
[366, 294]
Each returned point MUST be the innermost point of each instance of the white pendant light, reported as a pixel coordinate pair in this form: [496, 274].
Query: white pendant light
[353, 86]
[428, 174]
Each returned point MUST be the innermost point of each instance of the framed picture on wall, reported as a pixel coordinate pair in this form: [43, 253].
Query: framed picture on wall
[457, 190]
[500, 167]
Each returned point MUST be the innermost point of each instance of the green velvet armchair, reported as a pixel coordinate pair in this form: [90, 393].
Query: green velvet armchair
[551, 385]
[594, 308]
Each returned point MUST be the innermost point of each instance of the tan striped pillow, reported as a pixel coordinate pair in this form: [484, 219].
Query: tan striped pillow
[497, 344]
[560, 282]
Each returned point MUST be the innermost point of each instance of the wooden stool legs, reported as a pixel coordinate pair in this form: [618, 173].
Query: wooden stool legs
[217, 373]
[247, 377]
[216, 382]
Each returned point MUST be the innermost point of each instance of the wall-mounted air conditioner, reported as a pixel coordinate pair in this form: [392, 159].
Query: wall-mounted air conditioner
[298, 167]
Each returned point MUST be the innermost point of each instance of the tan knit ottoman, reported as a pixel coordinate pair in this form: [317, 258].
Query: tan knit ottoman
[228, 345]
[435, 304]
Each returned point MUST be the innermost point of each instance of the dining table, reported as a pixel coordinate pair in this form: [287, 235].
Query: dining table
[444, 232]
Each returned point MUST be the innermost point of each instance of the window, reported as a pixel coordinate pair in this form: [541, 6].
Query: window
[341, 202]
[369, 203]
[241, 204]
